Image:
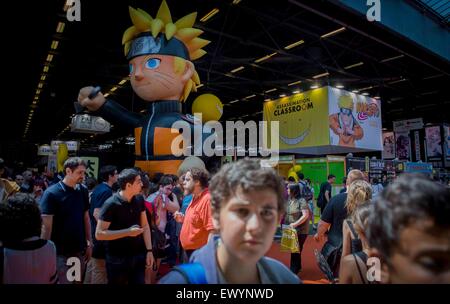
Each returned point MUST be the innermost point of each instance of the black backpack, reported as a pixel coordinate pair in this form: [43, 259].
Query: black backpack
[305, 191]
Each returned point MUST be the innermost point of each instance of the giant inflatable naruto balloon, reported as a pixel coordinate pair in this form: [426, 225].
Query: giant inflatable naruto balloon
[160, 52]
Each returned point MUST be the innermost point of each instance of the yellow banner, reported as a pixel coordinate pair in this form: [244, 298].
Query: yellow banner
[303, 119]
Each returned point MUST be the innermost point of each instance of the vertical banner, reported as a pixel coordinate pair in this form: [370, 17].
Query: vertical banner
[52, 164]
[417, 155]
[388, 145]
[402, 145]
[447, 141]
[434, 144]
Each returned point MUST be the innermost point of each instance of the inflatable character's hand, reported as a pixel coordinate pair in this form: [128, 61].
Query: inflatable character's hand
[92, 104]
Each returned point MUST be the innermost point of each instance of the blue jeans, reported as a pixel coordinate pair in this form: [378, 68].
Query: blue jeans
[126, 270]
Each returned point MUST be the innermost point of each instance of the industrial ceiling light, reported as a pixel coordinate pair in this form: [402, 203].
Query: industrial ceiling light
[294, 83]
[321, 75]
[265, 57]
[293, 45]
[333, 33]
[199, 86]
[237, 69]
[271, 90]
[397, 81]
[282, 95]
[250, 96]
[234, 101]
[314, 86]
[122, 82]
[54, 44]
[209, 15]
[60, 27]
[296, 92]
[354, 65]
[392, 58]
[339, 86]
[49, 58]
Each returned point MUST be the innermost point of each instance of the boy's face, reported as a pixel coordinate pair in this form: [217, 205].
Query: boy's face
[247, 223]
[153, 78]
[136, 186]
[423, 256]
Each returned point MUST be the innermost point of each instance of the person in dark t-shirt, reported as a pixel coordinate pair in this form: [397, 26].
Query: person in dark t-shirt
[65, 217]
[123, 224]
[96, 268]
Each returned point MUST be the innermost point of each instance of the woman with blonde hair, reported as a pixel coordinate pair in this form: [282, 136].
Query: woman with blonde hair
[359, 192]
[354, 266]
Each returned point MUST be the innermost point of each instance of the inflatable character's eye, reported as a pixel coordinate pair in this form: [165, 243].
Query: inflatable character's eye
[131, 68]
[152, 63]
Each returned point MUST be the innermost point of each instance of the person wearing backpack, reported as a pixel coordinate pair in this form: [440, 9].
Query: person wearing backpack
[247, 204]
[325, 193]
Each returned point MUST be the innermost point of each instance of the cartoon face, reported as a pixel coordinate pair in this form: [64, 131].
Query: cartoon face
[372, 110]
[153, 77]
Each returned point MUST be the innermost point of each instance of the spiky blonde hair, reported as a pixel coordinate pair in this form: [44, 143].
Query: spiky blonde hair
[182, 30]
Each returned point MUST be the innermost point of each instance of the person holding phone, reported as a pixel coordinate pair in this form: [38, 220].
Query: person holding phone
[123, 224]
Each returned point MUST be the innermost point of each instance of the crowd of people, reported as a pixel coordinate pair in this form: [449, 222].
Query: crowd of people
[217, 229]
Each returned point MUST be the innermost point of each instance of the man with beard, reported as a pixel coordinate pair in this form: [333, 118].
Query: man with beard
[197, 221]
[65, 217]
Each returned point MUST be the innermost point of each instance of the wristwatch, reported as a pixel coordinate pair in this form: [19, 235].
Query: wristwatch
[150, 250]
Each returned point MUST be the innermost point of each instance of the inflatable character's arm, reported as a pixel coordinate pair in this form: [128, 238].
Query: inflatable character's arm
[92, 99]
[114, 112]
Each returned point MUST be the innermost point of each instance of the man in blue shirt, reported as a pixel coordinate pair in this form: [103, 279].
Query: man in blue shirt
[65, 218]
[96, 269]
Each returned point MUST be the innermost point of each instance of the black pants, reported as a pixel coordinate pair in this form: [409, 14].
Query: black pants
[126, 270]
[296, 258]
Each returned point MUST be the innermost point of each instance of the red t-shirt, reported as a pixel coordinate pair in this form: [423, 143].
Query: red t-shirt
[197, 222]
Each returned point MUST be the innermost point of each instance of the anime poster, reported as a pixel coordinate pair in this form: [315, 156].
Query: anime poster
[388, 145]
[354, 120]
[447, 140]
[434, 144]
[402, 145]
